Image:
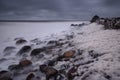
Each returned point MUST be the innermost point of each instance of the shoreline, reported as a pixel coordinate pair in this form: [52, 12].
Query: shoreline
[88, 52]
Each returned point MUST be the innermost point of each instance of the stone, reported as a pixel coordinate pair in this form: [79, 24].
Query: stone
[71, 73]
[69, 37]
[25, 63]
[14, 67]
[37, 51]
[42, 67]
[2, 60]
[59, 58]
[49, 71]
[117, 26]
[30, 76]
[52, 62]
[21, 41]
[24, 49]
[9, 48]
[52, 42]
[5, 75]
[68, 54]
[95, 18]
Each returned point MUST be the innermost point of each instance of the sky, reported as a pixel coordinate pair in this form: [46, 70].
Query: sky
[58, 9]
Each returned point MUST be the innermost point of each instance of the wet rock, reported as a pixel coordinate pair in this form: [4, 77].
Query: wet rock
[30, 76]
[55, 44]
[95, 18]
[94, 74]
[80, 52]
[71, 73]
[79, 25]
[14, 67]
[69, 37]
[68, 54]
[117, 25]
[25, 63]
[52, 62]
[82, 24]
[9, 49]
[107, 76]
[60, 44]
[5, 75]
[21, 41]
[52, 42]
[66, 59]
[74, 24]
[70, 44]
[59, 58]
[94, 54]
[2, 60]
[37, 51]
[24, 49]
[43, 67]
[35, 40]
[49, 71]
[60, 39]
[64, 66]
[48, 51]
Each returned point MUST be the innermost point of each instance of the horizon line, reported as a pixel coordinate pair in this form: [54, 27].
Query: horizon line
[40, 20]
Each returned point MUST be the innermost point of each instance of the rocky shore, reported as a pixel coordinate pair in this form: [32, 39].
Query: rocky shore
[88, 52]
[109, 23]
[39, 60]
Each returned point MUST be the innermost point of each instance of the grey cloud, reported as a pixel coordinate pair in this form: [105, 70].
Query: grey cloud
[58, 9]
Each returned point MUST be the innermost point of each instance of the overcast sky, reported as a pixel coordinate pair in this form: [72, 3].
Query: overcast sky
[58, 9]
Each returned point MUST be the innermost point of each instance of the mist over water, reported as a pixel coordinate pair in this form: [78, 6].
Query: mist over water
[31, 30]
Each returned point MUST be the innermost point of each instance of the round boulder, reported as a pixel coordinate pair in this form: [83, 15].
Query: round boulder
[49, 71]
[25, 63]
[5, 75]
[14, 67]
[24, 49]
[68, 54]
[37, 51]
[21, 41]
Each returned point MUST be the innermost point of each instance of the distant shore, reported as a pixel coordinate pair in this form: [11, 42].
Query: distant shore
[39, 20]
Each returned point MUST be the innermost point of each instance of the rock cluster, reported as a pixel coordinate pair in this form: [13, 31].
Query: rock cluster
[55, 59]
[109, 23]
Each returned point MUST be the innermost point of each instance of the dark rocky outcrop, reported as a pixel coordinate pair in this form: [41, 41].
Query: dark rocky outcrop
[109, 23]
[95, 18]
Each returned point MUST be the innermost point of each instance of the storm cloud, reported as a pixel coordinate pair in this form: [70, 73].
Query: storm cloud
[58, 9]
